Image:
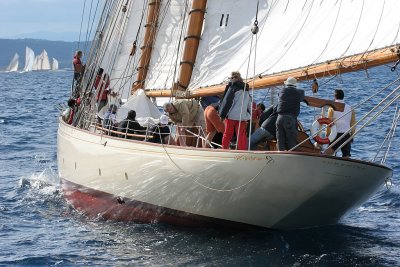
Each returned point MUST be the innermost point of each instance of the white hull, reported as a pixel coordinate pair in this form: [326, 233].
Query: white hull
[102, 175]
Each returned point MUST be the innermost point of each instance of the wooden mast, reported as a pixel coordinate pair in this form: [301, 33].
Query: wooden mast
[192, 40]
[330, 68]
[148, 42]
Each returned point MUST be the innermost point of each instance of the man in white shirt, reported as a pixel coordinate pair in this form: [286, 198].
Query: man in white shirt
[345, 120]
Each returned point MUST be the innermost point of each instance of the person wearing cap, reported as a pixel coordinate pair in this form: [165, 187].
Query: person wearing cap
[185, 113]
[288, 109]
[213, 123]
[130, 126]
[235, 109]
[161, 131]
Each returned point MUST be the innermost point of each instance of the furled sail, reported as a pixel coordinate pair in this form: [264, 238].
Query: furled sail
[13, 66]
[54, 65]
[29, 59]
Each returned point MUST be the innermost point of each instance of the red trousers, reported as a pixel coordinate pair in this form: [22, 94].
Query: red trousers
[230, 127]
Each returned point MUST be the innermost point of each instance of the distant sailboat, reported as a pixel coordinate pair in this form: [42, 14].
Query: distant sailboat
[54, 66]
[42, 61]
[29, 59]
[13, 66]
[35, 63]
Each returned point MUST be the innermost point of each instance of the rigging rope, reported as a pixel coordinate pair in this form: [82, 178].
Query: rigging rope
[80, 30]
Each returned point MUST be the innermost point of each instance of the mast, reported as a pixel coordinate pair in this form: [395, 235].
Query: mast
[329, 68]
[148, 42]
[192, 40]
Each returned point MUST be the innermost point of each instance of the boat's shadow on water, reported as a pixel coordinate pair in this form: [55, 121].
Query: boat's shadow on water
[323, 246]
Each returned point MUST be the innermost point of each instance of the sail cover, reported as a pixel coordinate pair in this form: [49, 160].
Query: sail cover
[292, 34]
[140, 103]
[29, 59]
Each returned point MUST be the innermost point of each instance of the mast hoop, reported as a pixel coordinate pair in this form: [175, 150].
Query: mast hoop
[154, 2]
[153, 25]
[188, 62]
[146, 47]
[181, 85]
[143, 67]
[197, 37]
[197, 10]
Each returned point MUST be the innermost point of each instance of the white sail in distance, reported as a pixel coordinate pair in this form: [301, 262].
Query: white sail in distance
[29, 59]
[35, 65]
[13, 66]
[42, 61]
[45, 62]
[54, 65]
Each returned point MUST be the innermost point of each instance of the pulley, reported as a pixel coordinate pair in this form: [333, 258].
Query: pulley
[133, 49]
[255, 28]
[398, 61]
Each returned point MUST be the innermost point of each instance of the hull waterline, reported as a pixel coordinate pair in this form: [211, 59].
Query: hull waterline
[128, 180]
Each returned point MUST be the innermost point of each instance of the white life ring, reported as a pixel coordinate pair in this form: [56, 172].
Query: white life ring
[316, 127]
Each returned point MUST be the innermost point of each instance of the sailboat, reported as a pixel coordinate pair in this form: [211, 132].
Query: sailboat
[41, 61]
[29, 59]
[157, 51]
[13, 66]
[54, 65]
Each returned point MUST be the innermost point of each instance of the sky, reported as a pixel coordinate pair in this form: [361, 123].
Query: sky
[48, 19]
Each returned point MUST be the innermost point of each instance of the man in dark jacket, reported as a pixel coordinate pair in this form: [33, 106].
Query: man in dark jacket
[288, 109]
[130, 126]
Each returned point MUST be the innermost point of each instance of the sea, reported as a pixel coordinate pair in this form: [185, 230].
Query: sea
[38, 227]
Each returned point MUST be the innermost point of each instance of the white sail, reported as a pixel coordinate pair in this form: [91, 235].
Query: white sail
[41, 61]
[54, 65]
[29, 59]
[35, 65]
[291, 35]
[13, 66]
[166, 53]
[45, 62]
[122, 65]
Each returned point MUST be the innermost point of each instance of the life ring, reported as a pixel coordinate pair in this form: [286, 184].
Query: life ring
[316, 127]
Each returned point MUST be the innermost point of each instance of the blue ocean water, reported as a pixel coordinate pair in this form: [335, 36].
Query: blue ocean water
[38, 227]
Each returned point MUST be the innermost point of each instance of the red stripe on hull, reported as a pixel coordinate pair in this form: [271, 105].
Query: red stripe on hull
[94, 204]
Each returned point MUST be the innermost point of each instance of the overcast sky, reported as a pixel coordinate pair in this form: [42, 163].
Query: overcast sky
[21, 18]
